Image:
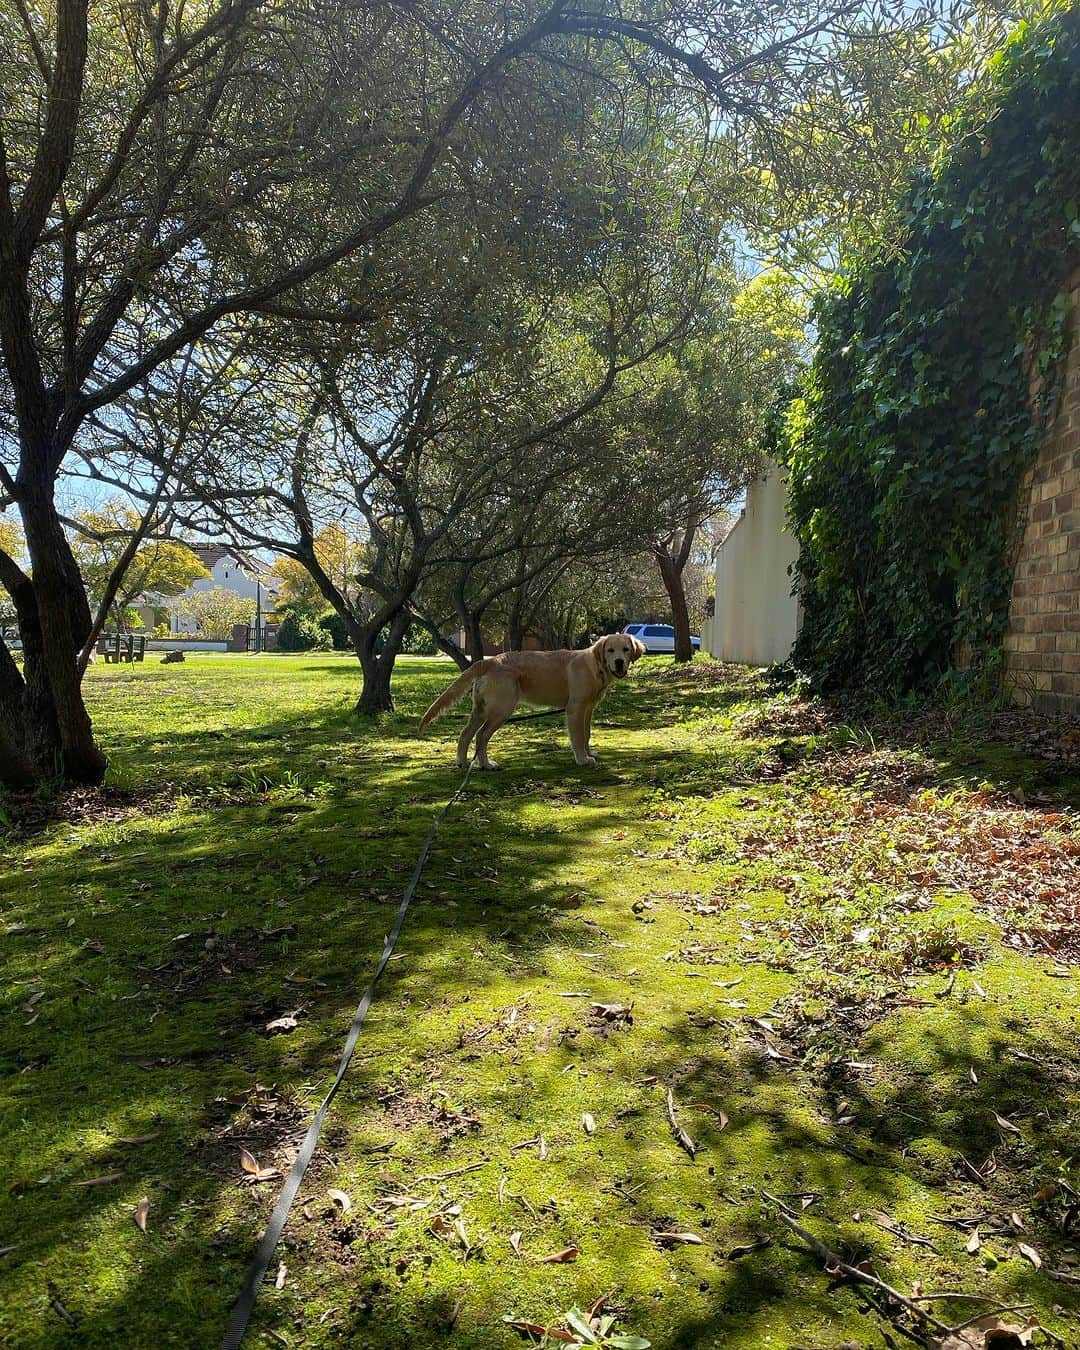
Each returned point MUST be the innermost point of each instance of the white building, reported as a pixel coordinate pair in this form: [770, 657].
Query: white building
[232, 570]
[756, 617]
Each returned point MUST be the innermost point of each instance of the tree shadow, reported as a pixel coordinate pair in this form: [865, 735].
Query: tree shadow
[269, 891]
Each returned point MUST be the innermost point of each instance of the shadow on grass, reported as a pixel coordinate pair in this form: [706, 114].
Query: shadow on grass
[164, 947]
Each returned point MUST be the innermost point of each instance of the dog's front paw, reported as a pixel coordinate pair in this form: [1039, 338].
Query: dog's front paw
[587, 762]
[490, 764]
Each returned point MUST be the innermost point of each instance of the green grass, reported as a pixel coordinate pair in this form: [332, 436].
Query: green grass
[247, 865]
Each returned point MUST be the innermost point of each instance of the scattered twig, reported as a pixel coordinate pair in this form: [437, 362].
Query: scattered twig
[681, 1137]
[453, 1172]
[957, 1221]
[974, 1173]
[833, 1262]
[987, 1312]
[523, 1202]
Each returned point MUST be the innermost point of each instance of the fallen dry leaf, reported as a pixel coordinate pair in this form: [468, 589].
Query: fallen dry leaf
[138, 1138]
[252, 1168]
[567, 1254]
[286, 1022]
[515, 1243]
[974, 1243]
[672, 1239]
[341, 1199]
[102, 1180]
[1005, 1125]
[760, 1241]
[279, 1283]
[989, 1333]
[588, 1124]
[142, 1209]
[1030, 1253]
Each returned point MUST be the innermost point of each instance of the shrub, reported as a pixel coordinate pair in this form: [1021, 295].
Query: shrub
[334, 624]
[301, 633]
[419, 642]
[217, 611]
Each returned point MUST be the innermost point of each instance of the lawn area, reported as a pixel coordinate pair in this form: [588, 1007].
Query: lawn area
[836, 945]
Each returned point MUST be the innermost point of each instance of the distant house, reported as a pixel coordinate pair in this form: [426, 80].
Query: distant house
[233, 570]
[756, 617]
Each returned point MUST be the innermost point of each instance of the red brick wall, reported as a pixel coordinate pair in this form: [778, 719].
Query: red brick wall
[1042, 644]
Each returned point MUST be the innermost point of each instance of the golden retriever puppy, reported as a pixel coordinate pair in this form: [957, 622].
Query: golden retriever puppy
[575, 681]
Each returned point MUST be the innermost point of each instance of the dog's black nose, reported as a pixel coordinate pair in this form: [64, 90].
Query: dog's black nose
[619, 664]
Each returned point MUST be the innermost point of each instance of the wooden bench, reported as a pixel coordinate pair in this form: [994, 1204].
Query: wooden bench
[122, 647]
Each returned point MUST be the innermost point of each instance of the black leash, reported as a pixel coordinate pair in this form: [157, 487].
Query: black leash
[260, 1263]
[529, 717]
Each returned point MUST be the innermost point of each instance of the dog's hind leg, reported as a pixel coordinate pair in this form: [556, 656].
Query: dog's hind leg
[499, 702]
[476, 720]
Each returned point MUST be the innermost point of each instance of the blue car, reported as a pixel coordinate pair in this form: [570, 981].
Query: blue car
[658, 637]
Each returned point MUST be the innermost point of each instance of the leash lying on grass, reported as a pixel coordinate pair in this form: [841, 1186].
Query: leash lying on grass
[260, 1262]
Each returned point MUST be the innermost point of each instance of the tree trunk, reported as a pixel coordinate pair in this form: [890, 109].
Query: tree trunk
[474, 638]
[45, 729]
[378, 668]
[515, 628]
[672, 577]
[54, 622]
[17, 765]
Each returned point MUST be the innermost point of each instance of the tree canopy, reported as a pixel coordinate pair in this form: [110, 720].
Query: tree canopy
[196, 199]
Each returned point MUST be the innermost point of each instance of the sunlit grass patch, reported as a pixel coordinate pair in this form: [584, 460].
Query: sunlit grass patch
[180, 968]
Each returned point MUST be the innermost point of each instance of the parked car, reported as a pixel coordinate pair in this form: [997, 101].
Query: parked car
[658, 637]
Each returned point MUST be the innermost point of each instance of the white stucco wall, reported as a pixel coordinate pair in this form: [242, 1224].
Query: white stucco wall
[756, 616]
[226, 573]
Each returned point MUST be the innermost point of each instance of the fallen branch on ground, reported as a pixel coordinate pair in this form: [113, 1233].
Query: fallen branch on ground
[835, 1264]
[682, 1138]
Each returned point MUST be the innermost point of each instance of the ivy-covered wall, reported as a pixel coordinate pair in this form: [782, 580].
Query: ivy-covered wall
[936, 376]
[1042, 642]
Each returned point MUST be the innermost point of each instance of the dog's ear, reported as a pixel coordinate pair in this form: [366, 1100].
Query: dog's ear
[637, 647]
[597, 650]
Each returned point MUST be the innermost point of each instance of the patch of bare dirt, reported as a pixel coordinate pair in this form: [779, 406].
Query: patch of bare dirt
[403, 1111]
[29, 814]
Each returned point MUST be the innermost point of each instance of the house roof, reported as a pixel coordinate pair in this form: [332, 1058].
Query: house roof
[209, 554]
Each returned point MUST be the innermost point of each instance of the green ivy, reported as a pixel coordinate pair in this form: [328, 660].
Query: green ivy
[915, 423]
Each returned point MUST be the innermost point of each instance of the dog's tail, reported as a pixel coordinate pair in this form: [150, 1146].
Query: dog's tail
[455, 693]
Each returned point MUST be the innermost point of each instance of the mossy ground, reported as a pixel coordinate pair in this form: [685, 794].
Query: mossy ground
[249, 867]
